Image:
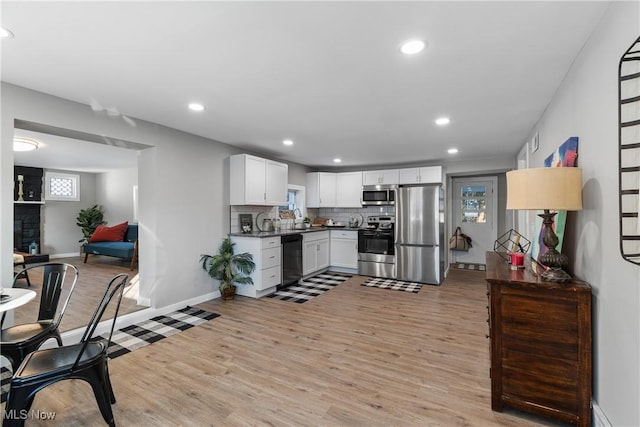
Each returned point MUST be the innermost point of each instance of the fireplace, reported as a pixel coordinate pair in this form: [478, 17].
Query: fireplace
[26, 226]
[26, 209]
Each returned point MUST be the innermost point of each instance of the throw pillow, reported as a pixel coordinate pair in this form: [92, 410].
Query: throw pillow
[109, 234]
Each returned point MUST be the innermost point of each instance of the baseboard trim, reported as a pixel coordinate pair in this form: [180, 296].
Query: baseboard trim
[73, 336]
[69, 255]
[599, 417]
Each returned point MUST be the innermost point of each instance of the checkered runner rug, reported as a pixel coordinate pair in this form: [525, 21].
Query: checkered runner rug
[396, 285]
[311, 287]
[132, 337]
[136, 336]
[469, 266]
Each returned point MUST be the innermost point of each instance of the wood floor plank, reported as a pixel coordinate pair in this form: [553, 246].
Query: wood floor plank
[353, 356]
[92, 281]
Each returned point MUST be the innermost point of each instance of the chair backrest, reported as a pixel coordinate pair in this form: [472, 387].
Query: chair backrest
[55, 278]
[115, 288]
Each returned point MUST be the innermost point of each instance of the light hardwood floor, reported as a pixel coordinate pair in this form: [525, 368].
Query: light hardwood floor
[92, 281]
[354, 356]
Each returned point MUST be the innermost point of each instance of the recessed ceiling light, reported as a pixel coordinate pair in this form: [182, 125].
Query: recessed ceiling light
[194, 106]
[412, 47]
[24, 144]
[337, 160]
[443, 121]
[452, 150]
[5, 33]
[287, 142]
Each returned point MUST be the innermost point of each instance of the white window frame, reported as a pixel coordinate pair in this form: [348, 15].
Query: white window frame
[74, 197]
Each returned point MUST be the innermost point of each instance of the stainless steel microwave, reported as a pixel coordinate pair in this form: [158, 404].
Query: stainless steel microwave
[378, 195]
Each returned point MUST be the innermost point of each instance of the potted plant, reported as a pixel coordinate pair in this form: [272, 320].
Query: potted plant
[88, 220]
[307, 221]
[229, 268]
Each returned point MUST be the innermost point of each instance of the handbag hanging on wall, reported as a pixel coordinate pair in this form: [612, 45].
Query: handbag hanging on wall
[459, 241]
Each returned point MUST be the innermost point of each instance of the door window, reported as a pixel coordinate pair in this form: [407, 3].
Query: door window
[474, 203]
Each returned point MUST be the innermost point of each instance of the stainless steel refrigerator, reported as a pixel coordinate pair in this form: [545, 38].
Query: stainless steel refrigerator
[420, 233]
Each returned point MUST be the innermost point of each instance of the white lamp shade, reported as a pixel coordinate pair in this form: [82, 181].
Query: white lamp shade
[557, 189]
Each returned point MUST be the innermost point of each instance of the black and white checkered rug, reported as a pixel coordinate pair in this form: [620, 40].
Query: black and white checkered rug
[469, 266]
[132, 337]
[311, 287]
[396, 285]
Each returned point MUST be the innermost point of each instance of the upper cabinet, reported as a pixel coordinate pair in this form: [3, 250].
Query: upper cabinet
[349, 190]
[276, 183]
[321, 190]
[425, 175]
[334, 190]
[388, 176]
[257, 181]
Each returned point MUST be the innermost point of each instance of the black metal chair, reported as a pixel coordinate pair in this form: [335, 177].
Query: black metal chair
[16, 342]
[86, 361]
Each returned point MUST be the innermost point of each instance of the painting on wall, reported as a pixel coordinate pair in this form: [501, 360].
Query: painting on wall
[565, 156]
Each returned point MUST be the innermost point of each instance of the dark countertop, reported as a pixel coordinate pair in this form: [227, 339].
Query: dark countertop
[264, 234]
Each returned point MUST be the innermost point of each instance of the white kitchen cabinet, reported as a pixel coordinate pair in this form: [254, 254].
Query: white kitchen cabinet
[276, 183]
[315, 252]
[321, 190]
[267, 254]
[257, 181]
[344, 249]
[424, 175]
[348, 190]
[387, 176]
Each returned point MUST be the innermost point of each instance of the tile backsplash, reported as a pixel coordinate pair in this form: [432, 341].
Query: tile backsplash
[342, 215]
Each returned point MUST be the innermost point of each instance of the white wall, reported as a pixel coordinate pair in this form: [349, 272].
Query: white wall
[183, 183]
[60, 234]
[114, 191]
[586, 106]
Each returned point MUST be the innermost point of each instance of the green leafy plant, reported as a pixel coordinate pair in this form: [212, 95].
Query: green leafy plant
[89, 219]
[306, 220]
[227, 267]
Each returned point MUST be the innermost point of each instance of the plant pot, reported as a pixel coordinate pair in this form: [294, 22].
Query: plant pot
[228, 293]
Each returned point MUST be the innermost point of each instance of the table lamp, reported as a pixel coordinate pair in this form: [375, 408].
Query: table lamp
[558, 189]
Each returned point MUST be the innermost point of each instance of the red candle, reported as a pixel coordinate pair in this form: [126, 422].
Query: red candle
[517, 260]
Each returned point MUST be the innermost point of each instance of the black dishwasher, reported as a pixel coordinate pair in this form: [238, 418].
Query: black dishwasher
[291, 259]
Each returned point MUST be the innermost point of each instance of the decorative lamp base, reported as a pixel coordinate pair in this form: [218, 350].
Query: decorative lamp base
[555, 274]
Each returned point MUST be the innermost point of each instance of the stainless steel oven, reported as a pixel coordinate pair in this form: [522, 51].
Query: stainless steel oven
[379, 195]
[376, 248]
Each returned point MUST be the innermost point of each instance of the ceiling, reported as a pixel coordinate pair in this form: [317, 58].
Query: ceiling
[328, 75]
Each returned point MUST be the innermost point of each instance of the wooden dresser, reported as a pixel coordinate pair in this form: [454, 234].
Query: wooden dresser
[540, 343]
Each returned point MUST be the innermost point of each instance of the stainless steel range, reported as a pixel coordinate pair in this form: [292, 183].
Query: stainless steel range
[376, 247]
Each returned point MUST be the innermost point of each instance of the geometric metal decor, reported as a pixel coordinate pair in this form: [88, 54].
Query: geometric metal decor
[509, 242]
[629, 153]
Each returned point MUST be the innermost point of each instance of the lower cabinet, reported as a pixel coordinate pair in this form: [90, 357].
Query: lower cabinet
[267, 254]
[344, 249]
[315, 252]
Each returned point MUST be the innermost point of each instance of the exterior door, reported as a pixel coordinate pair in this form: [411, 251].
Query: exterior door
[474, 209]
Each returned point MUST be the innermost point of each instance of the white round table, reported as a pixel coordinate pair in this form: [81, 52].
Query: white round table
[17, 297]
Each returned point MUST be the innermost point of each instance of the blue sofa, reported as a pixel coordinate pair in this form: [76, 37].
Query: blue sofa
[127, 249]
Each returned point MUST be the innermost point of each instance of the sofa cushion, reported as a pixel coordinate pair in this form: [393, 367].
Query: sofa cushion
[132, 233]
[109, 234]
[115, 249]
